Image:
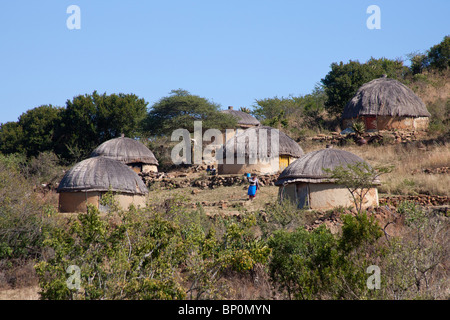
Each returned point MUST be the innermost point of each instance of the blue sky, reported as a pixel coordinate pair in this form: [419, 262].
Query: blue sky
[230, 52]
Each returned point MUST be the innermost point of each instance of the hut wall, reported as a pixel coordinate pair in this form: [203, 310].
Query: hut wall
[258, 168]
[323, 196]
[125, 200]
[390, 123]
[78, 201]
[149, 168]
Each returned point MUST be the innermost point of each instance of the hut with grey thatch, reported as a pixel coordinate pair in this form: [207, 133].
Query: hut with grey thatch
[244, 120]
[261, 150]
[88, 181]
[129, 151]
[385, 104]
[305, 182]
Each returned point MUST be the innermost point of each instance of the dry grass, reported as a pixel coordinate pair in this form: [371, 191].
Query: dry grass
[409, 161]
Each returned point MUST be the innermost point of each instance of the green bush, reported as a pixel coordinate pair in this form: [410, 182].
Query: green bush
[320, 265]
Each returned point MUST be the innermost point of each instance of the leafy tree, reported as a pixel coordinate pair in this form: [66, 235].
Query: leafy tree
[439, 55]
[38, 126]
[11, 138]
[180, 109]
[275, 111]
[32, 133]
[89, 120]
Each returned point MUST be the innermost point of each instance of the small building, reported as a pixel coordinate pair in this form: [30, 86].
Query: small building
[386, 104]
[244, 120]
[129, 151]
[241, 150]
[87, 181]
[305, 183]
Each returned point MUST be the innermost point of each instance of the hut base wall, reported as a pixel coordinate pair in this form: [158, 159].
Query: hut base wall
[149, 168]
[78, 201]
[259, 168]
[325, 196]
[391, 123]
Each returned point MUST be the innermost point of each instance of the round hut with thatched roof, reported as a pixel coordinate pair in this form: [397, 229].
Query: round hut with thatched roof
[385, 104]
[87, 182]
[129, 151]
[244, 120]
[261, 150]
[306, 183]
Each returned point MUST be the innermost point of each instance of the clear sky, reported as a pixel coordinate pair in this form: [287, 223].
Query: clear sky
[230, 52]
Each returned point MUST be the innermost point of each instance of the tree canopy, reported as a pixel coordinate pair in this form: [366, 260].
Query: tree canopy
[32, 133]
[180, 109]
[88, 120]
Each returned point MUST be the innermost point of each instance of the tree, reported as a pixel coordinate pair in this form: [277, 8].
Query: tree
[11, 138]
[32, 133]
[358, 178]
[89, 120]
[180, 109]
[38, 126]
[439, 55]
[342, 82]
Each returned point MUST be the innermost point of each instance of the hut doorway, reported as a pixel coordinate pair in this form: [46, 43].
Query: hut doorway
[370, 122]
[284, 162]
[302, 195]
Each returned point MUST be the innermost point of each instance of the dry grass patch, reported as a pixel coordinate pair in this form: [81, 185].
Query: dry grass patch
[409, 161]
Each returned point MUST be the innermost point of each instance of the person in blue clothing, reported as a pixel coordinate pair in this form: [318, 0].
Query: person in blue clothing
[254, 186]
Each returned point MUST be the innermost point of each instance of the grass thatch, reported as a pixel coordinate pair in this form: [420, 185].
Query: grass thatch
[385, 97]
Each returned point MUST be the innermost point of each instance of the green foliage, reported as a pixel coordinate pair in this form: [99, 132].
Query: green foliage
[11, 138]
[21, 215]
[320, 265]
[33, 133]
[138, 254]
[439, 55]
[440, 116]
[180, 109]
[359, 127]
[89, 120]
[134, 258]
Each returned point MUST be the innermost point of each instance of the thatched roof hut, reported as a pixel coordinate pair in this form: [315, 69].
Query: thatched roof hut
[387, 103]
[244, 119]
[129, 151]
[306, 183]
[288, 151]
[89, 179]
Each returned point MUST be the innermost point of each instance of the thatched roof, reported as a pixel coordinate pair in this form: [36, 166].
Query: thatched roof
[243, 118]
[286, 146]
[126, 150]
[309, 168]
[385, 97]
[102, 174]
